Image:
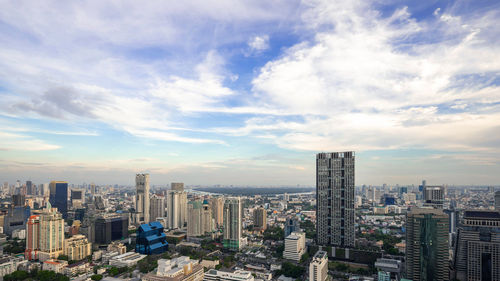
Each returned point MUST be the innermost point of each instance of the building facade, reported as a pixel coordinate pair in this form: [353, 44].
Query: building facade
[150, 239]
[32, 238]
[335, 198]
[295, 246]
[477, 251]
[142, 199]
[232, 223]
[51, 235]
[217, 275]
[157, 208]
[218, 210]
[260, 218]
[110, 227]
[194, 224]
[59, 196]
[427, 245]
[77, 247]
[433, 196]
[176, 209]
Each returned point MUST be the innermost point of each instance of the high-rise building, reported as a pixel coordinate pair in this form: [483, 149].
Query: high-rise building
[218, 210]
[194, 223]
[260, 218]
[427, 244]
[206, 218]
[433, 196]
[32, 238]
[110, 227]
[15, 219]
[177, 186]
[497, 200]
[232, 223]
[142, 199]
[77, 247]
[18, 200]
[318, 267]
[59, 196]
[51, 241]
[335, 198]
[295, 246]
[151, 240]
[292, 225]
[92, 189]
[45, 190]
[477, 251]
[157, 208]
[29, 188]
[176, 209]
[76, 198]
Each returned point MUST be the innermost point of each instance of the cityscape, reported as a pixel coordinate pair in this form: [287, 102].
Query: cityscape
[282, 140]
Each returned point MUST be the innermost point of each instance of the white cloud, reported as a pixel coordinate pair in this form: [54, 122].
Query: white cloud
[19, 142]
[259, 43]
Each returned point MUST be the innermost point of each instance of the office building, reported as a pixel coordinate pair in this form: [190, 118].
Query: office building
[59, 196]
[176, 209]
[232, 223]
[126, 260]
[433, 196]
[427, 244]
[318, 267]
[29, 188]
[150, 239]
[93, 189]
[77, 247]
[260, 218]
[15, 219]
[110, 227]
[477, 252]
[292, 225]
[177, 186]
[295, 246]
[50, 234]
[194, 224]
[335, 198]
[497, 200]
[18, 200]
[177, 269]
[117, 247]
[217, 275]
[76, 198]
[157, 208]
[142, 199]
[218, 210]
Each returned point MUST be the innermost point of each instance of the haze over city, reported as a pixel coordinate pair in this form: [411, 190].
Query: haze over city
[246, 93]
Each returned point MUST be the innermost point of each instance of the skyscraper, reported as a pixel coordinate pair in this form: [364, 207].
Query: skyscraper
[433, 196]
[59, 196]
[176, 209]
[110, 227]
[477, 251]
[142, 199]
[218, 210]
[232, 223]
[335, 198]
[157, 208]
[51, 238]
[32, 238]
[194, 223]
[92, 189]
[206, 218]
[29, 188]
[260, 218]
[497, 200]
[427, 245]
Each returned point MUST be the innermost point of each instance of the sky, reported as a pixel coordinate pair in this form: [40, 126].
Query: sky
[247, 92]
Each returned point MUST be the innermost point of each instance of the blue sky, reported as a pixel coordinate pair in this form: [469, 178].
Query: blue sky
[246, 92]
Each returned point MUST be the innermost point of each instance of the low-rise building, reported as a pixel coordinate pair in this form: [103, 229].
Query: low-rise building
[117, 247]
[77, 268]
[318, 268]
[178, 269]
[389, 268]
[127, 259]
[238, 275]
[9, 264]
[54, 265]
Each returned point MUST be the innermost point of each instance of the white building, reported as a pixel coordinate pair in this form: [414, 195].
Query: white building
[318, 268]
[9, 264]
[238, 275]
[176, 209]
[127, 259]
[142, 199]
[295, 246]
[157, 207]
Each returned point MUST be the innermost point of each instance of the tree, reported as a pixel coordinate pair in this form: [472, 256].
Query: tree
[63, 258]
[290, 270]
[16, 276]
[96, 277]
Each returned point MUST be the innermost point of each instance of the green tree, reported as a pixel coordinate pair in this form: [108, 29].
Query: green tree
[96, 277]
[16, 276]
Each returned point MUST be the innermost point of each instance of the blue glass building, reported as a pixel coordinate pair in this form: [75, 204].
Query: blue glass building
[59, 196]
[150, 239]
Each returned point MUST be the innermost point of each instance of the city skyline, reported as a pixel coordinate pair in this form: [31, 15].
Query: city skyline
[247, 93]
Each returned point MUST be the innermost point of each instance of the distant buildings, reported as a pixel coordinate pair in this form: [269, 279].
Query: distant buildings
[110, 227]
[497, 200]
[295, 246]
[477, 253]
[260, 218]
[216, 275]
[177, 186]
[433, 196]
[9, 264]
[142, 199]
[232, 223]
[427, 244]
[318, 267]
[157, 208]
[335, 198]
[178, 269]
[59, 196]
[150, 239]
[77, 247]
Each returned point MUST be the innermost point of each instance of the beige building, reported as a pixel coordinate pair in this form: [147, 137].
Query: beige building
[54, 265]
[117, 247]
[51, 235]
[260, 218]
[318, 268]
[178, 269]
[77, 247]
[295, 246]
[218, 210]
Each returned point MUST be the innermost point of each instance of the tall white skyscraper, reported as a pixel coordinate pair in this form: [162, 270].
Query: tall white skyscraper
[157, 208]
[335, 198]
[232, 223]
[176, 209]
[195, 221]
[142, 198]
